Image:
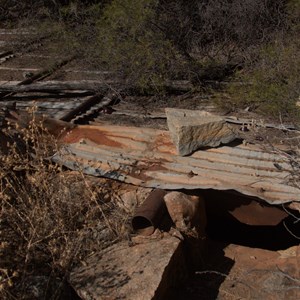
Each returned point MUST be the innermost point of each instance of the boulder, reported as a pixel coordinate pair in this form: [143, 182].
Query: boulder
[192, 130]
[142, 271]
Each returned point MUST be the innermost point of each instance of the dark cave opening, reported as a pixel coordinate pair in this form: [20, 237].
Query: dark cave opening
[233, 218]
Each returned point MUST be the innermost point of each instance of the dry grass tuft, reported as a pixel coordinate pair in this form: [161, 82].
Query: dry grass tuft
[51, 218]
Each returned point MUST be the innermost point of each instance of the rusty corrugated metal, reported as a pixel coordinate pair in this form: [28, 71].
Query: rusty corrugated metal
[147, 157]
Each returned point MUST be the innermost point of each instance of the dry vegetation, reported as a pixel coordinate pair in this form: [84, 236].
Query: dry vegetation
[253, 43]
[50, 218]
[271, 83]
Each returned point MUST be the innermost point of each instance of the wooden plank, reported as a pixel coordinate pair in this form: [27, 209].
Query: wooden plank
[38, 76]
[78, 85]
[55, 86]
[5, 53]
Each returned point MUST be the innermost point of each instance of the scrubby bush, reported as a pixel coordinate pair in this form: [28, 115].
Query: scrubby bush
[219, 29]
[130, 43]
[271, 83]
[195, 40]
[147, 42]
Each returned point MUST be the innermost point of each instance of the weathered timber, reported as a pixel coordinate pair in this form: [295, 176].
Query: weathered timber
[19, 69]
[79, 85]
[46, 72]
[56, 86]
[5, 53]
[41, 75]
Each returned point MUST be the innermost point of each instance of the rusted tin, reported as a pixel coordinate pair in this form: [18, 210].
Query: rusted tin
[147, 157]
[82, 107]
[148, 216]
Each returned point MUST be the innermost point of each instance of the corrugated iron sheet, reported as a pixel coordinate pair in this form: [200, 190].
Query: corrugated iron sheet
[147, 157]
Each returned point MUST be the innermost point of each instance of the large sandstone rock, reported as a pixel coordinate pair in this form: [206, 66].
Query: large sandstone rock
[140, 272]
[191, 130]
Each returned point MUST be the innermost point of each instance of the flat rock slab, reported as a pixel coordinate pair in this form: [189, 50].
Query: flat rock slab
[238, 272]
[263, 274]
[192, 130]
[143, 271]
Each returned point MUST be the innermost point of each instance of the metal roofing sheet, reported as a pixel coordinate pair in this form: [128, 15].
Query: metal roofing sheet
[147, 157]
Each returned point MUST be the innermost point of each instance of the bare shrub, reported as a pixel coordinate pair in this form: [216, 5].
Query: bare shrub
[51, 219]
[220, 28]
